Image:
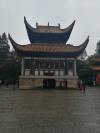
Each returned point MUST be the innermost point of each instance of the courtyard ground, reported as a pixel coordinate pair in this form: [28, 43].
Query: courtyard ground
[49, 111]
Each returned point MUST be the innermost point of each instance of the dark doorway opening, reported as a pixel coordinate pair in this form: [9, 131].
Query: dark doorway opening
[49, 83]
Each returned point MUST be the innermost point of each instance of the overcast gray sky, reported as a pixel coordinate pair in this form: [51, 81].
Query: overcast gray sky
[85, 12]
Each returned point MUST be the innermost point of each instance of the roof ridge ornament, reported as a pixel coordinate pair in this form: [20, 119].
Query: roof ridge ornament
[59, 26]
[36, 24]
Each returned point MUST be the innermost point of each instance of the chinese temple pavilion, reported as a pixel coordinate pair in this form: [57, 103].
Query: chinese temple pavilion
[48, 61]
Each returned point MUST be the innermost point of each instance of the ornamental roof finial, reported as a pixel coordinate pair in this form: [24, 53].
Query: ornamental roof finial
[59, 25]
[36, 24]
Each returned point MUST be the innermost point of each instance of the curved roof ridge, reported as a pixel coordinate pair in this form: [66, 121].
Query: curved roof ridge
[48, 34]
[70, 27]
[50, 49]
[14, 44]
[28, 25]
[84, 44]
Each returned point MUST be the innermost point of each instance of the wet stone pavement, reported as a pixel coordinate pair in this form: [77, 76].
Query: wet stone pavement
[49, 111]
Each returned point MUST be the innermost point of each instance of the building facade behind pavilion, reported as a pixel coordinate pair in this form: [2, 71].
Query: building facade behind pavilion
[48, 61]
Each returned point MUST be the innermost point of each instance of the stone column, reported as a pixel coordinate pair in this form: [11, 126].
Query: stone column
[75, 73]
[65, 67]
[59, 68]
[39, 64]
[22, 67]
[33, 67]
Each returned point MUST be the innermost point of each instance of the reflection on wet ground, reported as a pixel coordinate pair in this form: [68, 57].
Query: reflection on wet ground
[49, 111]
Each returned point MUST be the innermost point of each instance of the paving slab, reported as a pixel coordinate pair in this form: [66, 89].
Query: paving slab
[49, 111]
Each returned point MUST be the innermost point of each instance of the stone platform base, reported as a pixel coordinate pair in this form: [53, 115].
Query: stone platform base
[72, 83]
[28, 83]
[31, 83]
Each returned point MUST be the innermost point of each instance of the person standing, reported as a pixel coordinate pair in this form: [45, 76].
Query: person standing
[83, 86]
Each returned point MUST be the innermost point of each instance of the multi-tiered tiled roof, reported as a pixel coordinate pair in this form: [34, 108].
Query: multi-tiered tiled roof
[49, 41]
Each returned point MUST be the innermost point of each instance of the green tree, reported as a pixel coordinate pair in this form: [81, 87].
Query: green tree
[83, 56]
[84, 71]
[4, 48]
[98, 48]
[10, 69]
[9, 61]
